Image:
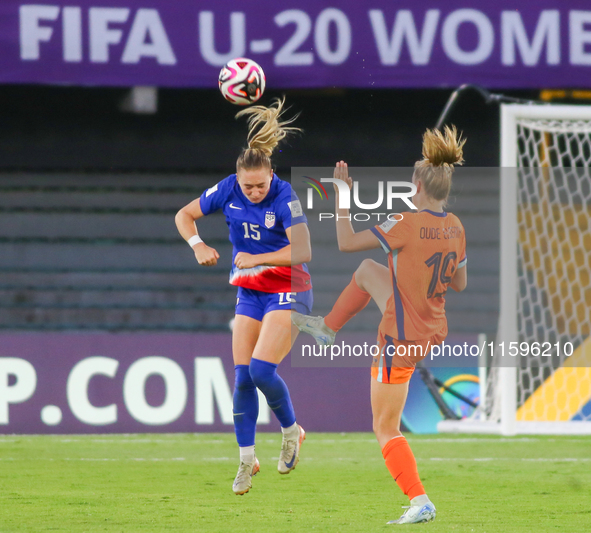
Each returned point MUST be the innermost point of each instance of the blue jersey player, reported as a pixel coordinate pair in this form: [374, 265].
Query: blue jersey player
[271, 244]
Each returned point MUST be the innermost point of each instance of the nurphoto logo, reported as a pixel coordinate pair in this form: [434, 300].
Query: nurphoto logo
[386, 190]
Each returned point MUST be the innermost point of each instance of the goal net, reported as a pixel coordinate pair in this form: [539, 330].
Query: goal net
[543, 382]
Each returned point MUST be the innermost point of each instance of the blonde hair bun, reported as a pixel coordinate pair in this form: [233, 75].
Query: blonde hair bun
[441, 149]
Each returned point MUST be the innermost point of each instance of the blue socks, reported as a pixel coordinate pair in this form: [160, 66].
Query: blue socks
[246, 402]
[265, 377]
[246, 406]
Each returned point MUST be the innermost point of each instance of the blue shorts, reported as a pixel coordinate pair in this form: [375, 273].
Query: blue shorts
[256, 304]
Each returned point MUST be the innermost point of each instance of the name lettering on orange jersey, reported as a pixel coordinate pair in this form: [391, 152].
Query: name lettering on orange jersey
[430, 233]
[453, 232]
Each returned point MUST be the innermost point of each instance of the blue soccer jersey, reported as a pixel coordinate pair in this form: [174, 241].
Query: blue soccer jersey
[259, 229]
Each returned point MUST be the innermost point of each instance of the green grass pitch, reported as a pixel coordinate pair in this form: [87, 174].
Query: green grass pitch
[183, 483]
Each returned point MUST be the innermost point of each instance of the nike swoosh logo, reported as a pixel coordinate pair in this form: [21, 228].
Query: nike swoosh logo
[290, 464]
[235, 207]
[285, 303]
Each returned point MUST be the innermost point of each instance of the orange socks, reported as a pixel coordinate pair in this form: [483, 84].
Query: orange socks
[401, 463]
[350, 302]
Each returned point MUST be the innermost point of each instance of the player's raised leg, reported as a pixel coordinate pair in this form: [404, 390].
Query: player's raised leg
[370, 280]
[275, 341]
[387, 403]
[246, 402]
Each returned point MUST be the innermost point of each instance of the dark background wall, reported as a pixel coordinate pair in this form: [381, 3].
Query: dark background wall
[194, 130]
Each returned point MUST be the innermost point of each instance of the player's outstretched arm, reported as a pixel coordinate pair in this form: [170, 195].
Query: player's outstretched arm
[348, 240]
[297, 252]
[185, 223]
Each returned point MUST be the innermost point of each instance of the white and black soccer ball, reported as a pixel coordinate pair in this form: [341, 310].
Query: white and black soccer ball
[242, 81]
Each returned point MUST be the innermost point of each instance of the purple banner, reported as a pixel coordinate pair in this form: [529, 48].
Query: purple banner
[543, 43]
[168, 382]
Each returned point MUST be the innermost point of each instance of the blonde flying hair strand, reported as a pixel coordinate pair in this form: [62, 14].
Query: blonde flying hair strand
[265, 131]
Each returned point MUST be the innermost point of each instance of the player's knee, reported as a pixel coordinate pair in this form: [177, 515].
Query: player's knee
[377, 427]
[364, 272]
[365, 268]
[242, 379]
[366, 265]
[262, 373]
[385, 428]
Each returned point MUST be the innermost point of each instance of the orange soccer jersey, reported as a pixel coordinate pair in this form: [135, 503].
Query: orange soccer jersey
[425, 248]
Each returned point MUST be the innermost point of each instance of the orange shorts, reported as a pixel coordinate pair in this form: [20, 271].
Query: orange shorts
[398, 359]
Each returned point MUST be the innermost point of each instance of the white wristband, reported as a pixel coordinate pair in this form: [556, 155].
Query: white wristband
[195, 239]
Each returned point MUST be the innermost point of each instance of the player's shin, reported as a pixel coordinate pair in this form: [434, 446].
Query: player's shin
[265, 377]
[246, 412]
[351, 301]
[402, 465]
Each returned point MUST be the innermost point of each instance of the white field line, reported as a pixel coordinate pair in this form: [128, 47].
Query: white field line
[129, 459]
[521, 459]
[313, 459]
[310, 440]
[93, 459]
[464, 460]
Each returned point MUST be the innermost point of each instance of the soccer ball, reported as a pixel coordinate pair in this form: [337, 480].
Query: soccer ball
[242, 81]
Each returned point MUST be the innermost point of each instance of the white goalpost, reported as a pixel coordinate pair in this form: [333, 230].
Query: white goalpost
[545, 277]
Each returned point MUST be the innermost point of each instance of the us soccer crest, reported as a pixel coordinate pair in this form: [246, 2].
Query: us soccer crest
[269, 219]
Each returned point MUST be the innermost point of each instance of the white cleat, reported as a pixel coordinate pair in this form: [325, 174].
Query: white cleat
[315, 326]
[243, 482]
[416, 514]
[290, 452]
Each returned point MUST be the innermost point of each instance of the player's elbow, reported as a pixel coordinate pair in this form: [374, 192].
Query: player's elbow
[184, 219]
[180, 216]
[346, 247]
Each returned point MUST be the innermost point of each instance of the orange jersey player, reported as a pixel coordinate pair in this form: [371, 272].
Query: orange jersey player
[426, 255]
[424, 251]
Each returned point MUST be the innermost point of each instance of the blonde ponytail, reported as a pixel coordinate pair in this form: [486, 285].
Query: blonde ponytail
[265, 131]
[441, 151]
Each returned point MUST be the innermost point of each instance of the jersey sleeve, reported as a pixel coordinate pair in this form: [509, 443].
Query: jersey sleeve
[290, 210]
[392, 234]
[214, 197]
[463, 256]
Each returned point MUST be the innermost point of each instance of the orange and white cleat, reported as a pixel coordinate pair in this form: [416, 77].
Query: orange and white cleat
[290, 451]
[243, 482]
